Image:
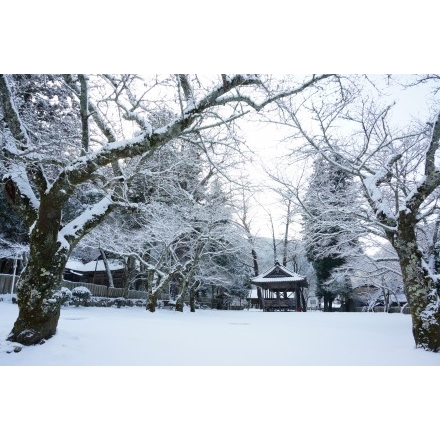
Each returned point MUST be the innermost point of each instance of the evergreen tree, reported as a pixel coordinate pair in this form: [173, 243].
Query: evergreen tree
[329, 231]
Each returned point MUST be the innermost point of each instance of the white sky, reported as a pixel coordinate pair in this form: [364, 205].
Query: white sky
[265, 139]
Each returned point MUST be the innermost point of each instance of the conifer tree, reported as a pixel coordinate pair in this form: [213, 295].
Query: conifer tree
[328, 226]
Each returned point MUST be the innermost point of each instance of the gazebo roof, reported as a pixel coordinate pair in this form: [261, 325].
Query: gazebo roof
[279, 277]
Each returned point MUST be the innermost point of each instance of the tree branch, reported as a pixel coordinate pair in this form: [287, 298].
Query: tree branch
[10, 114]
[84, 112]
[432, 175]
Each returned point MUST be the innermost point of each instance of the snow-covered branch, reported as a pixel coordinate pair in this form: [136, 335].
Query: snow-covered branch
[73, 231]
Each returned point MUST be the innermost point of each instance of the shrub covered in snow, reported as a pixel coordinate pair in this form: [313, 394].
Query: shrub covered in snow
[64, 295]
[82, 293]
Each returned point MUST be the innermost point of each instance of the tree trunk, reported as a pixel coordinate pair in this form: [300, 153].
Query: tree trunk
[327, 303]
[298, 300]
[192, 295]
[386, 300]
[39, 306]
[192, 299]
[274, 244]
[107, 268]
[181, 296]
[182, 290]
[142, 282]
[286, 233]
[152, 296]
[39, 310]
[256, 272]
[152, 302]
[130, 271]
[421, 291]
[303, 302]
[156, 288]
[179, 303]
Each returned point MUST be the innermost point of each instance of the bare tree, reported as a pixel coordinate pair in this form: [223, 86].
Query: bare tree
[400, 180]
[122, 117]
[245, 222]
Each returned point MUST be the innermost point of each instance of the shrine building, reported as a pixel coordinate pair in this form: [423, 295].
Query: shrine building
[281, 289]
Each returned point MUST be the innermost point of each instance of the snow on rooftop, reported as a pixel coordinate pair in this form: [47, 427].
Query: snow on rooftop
[261, 279]
[290, 275]
[93, 266]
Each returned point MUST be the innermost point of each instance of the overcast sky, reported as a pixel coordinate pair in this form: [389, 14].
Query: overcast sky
[265, 140]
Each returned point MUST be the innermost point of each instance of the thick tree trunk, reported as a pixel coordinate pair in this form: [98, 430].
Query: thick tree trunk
[39, 306]
[39, 309]
[420, 288]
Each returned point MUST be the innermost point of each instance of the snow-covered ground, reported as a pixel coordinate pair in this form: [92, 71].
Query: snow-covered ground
[132, 336]
[279, 399]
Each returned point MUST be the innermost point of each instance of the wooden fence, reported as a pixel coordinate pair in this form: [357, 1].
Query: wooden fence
[6, 283]
[95, 289]
[107, 292]
[113, 292]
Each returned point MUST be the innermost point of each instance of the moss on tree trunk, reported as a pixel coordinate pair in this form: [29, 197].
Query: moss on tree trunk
[420, 288]
[39, 307]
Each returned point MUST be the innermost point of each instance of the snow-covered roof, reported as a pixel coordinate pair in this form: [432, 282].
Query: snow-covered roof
[92, 266]
[261, 279]
[277, 274]
[281, 268]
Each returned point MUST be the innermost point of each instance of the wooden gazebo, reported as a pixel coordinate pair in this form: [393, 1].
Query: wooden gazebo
[282, 289]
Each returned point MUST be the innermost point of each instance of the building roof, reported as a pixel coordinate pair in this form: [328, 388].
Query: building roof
[279, 277]
[92, 266]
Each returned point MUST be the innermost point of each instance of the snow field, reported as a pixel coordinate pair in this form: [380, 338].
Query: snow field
[132, 336]
[269, 393]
